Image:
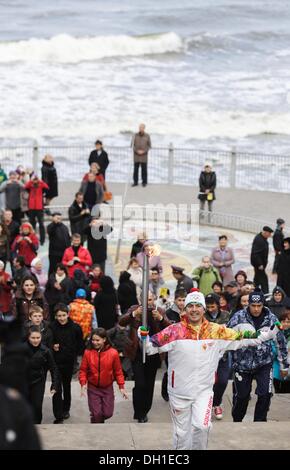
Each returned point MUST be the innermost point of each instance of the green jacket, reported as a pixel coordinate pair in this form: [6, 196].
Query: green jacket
[205, 278]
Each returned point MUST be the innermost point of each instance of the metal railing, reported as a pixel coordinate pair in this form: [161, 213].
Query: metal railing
[167, 165]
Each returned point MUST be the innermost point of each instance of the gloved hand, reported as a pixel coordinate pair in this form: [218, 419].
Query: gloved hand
[143, 333]
[271, 333]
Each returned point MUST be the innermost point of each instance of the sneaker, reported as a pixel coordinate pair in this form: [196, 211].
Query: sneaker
[218, 412]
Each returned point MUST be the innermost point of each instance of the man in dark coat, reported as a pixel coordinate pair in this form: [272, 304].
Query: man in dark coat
[100, 156]
[49, 175]
[207, 185]
[283, 268]
[79, 215]
[59, 240]
[141, 144]
[183, 281]
[259, 258]
[97, 232]
[278, 238]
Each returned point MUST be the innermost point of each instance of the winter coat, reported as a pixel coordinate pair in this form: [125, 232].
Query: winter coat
[49, 176]
[55, 296]
[223, 257]
[98, 195]
[127, 295]
[154, 327]
[283, 270]
[83, 313]
[206, 181]
[77, 220]
[40, 361]
[101, 368]
[141, 142]
[184, 283]
[205, 278]
[59, 238]
[36, 190]
[260, 251]
[23, 248]
[84, 256]
[102, 159]
[5, 293]
[21, 306]
[105, 303]
[248, 360]
[278, 238]
[12, 194]
[70, 340]
[97, 241]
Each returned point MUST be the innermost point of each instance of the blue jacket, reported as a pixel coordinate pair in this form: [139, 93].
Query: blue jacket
[251, 358]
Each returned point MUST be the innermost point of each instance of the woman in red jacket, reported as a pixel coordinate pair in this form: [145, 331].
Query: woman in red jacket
[26, 244]
[99, 368]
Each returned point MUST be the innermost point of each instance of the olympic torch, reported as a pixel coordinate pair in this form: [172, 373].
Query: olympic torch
[149, 251]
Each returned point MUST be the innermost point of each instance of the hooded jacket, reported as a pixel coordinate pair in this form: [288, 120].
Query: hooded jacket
[84, 256]
[277, 307]
[36, 190]
[49, 176]
[24, 248]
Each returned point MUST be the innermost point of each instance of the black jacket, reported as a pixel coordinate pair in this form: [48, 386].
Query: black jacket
[260, 251]
[184, 283]
[278, 238]
[106, 303]
[13, 231]
[49, 176]
[77, 221]
[207, 181]
[59, 238]
[101, 159]
[70, 340]
[127, 295]
[97, 242]
[16, 415]
[40, 361]
[55, 296]
[283, 270]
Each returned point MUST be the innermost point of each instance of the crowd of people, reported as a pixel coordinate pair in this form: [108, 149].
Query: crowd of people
[73, 319]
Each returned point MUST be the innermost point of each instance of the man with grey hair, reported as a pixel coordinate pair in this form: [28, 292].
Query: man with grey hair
[141, 144]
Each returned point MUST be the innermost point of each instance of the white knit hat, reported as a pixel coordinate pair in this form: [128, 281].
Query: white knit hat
[195, 297]
[35, 261]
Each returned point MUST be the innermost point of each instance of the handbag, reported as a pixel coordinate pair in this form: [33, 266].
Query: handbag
[210, 196]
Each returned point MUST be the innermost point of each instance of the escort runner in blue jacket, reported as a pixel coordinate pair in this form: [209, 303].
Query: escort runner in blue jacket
[257, 362]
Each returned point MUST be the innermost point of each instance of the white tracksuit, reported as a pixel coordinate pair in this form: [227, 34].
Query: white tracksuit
[192, 364]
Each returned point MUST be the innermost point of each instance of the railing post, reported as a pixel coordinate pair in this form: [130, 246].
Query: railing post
[35, 156]
[170, 163]
[233, 168]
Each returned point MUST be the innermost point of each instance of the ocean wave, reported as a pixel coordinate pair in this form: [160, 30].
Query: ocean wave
[64, 48]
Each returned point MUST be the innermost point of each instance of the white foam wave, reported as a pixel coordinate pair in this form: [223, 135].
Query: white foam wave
[64, 48]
